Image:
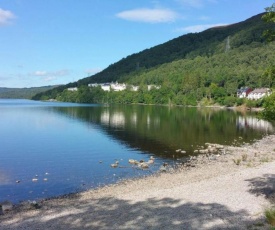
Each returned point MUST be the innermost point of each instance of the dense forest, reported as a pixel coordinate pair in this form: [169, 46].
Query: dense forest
[197, 68]
[20, 93]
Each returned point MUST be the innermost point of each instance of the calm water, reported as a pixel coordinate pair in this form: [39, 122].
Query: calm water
[69, 147]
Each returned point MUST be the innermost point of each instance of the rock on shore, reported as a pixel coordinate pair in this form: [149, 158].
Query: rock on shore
[228, 192]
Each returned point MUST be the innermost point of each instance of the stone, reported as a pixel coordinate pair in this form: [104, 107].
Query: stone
[6, 206]
[132, 161]
[114, 165]
[143, 165]
[163, 169]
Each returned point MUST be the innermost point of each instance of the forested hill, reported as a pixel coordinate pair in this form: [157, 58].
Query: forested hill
[23, 93]
[186, 46]
[206, 44]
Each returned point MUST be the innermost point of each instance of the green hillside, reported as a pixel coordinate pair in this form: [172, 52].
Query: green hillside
[23, 93]
[210, 64]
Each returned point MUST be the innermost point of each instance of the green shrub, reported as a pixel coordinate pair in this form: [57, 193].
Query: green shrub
[239, 101]
[237, 161]
[270, 216]
[229, 101]
[269, 108]
[250, 103]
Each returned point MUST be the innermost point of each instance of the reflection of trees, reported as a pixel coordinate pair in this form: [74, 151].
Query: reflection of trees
[159, 129]
[111, 213]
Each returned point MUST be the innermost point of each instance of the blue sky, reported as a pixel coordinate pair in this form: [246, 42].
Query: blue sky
[48, 42]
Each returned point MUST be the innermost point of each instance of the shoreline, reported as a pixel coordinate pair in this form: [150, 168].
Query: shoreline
[219, 191]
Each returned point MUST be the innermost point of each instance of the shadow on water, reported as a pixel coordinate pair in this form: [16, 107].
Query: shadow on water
[110, 213]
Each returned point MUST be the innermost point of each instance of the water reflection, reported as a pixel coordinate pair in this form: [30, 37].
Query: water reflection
[254, 123]
[161, 130]
[114, 120]
[76, 143]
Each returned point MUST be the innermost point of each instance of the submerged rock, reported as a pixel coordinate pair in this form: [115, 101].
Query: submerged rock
[114, 165]
[6, 206]
[132, 161]
[143, 165]
[34, 204]
[163, 168]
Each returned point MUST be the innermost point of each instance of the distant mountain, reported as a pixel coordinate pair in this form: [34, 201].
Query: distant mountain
[23, 93]
[194, 53]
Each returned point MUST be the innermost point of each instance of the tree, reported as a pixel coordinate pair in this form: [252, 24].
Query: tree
[269, 104]
[269, 17]
[268, 77]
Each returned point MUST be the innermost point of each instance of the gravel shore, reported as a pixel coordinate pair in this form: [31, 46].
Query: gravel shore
[225, 191]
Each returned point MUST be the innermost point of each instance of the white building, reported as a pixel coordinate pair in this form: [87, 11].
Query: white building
[134, 88]
[118, 87]
[93, 85]
[259, 93]
[149, 87]
[72, 89]
[243, 92]
[106, 86]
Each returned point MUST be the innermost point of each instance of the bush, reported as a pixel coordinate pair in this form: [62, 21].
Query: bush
[270, 216]
[229, 101]
[250, 103]
[269, 108]
[206, 102]
[239, 101]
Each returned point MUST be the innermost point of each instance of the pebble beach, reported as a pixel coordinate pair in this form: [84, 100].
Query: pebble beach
[229, 190]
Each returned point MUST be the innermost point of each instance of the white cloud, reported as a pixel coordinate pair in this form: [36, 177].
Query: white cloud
[149, 15]
[192, 3]
[57, 73]
[39, 73]
[5, 17]
[195, 3]
[49, 78]
[92, 71]
[199, 28]
[204, 18]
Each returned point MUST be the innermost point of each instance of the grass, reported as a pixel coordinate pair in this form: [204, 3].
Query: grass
[264, 159]
[270, 216]
[237, 161]
[244, 157]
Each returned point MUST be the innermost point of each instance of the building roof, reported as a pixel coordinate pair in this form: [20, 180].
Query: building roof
[260, 90]
[243, 89]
